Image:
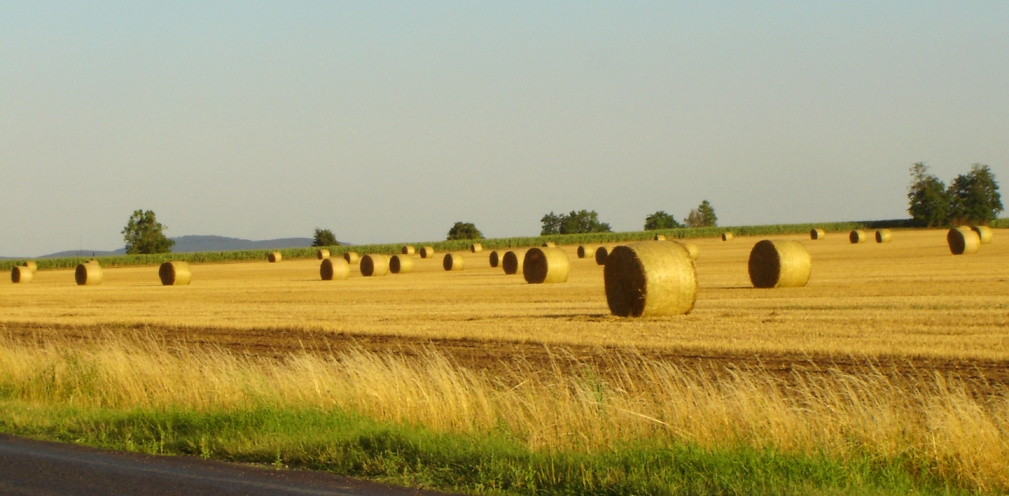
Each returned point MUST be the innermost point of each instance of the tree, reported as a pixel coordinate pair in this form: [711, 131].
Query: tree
[661, 220]
[464, 230]
[582, 221]
[929, 201]
[144, 234]
[974, 198]
[702, 216]
[551, 223]
[324, 237]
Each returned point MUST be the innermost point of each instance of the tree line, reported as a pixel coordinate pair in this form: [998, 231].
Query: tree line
[971, 199]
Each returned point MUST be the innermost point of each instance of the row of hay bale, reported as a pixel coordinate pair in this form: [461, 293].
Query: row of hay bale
[90, 273]
[961, 240]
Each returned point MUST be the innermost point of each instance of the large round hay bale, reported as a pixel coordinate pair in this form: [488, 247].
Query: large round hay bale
[692, 249]
[31, 265]
[548, 244]
[659, 237]
[175, 273]
[400, 264]
[322, 254]
[408, 250]
[274, 256]
[334, 269]
[21, 274]
[817, 233]
[494, 258]
[984, 233]
[648, 279]
[374, 264]
[512, 262]
[884, 236]
[88, 274]
[427, 252]
[601, 254]
[858, 236]
[546, 266]
[727, 236]
[452, 261]
[963, 241]
[352, 257]
[476, 247]
[779, 264]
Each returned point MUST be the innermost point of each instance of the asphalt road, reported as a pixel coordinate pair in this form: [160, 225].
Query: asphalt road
[29, 467]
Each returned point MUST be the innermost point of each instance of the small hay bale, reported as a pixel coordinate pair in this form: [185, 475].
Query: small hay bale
[274, 256]
[175, 273]
[693, 250]
[779, 264]
[963, 241]
[494, 258]
[884, 236]
[322, 254]
[407, 250]
[583, 251]
[400, 264]
[858, 236]
[601, 254]
[546, 266]
[659, 237]
[427, 252]
[373, 264]
[649, 279]
[452, 261]
[88, 274]
[512, 261]
[476, 247]
[334, 269]
[549, 244]
[31, 265]
[817, 233]
[727, 236]
[983, 232]
[352, 257]
[21, 274]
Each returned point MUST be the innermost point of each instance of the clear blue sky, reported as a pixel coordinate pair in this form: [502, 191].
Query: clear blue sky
[390, 121]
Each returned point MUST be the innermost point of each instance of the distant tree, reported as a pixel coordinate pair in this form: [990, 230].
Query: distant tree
[324, 237]
[464, 230]
[974, 197]
[144, 234]
[929, 203]
[551, 224]
[702, 216]
[582, 221]
[661, 220]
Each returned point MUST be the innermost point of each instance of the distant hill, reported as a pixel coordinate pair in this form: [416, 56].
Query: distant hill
[188, 244]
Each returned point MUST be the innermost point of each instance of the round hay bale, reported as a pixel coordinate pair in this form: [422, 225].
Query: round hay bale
[88, 274]
[352, 257]
[583, 251]
[373, 264]
[659, 237]
[452, 261]
[779, 264]
[963, 241]
[21, 274]
[727, 236]
[322, 254]
[983, 232]
[601, 254]
[476, 247]
[817, 233]
[858, 236]
[407, 250]
[546, 266]
[494, 258]
[334, 269]
[274, 256]
[31, 265]
[400, 264]
[884, 236]
[648, 279]
[175, 274]
[549, 244]
[512, 261]
[427, 252]
[693, 250]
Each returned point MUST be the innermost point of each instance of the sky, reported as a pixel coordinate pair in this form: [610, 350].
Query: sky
[388, 122]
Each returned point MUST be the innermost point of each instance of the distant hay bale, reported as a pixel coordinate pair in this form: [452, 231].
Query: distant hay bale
[583, 251]
[476, 247]
[512, 261]
[427, 252]
[858, 236]
[407, 250]
[88, 274]
[322, 254]
[374, 264]
[274, 256]
[817, 233]
[648, 279]
[546, 266]
[31, 265]
[601, 254]
[727, 236]
[175, 273]
[779, 264]
[452, 261]
[963, 241]
[549, 244]
[983, 232]
[334, 269]
[659, 237]
[884, 236]
[352, 257]
[693, 250]
[400, 264]
[494, 258]
[21, 274]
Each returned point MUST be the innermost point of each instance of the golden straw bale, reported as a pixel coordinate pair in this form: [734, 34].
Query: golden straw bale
[858, 236]
[884, 236]
[601, 254]
[274, 256]
[984, 233]
[659, 237]
[88, 274]
[400, 264]
[817, 233]
[476, 247]
[650, 279]
[31, 265]
[727, 236]
[452, 261]
[512, 261]
[583, 251]
[408, 250]
[963, 241]
[546, 266]
[779, 264]
[693, 250]
[549, 244]
[374, 264]
[21, 274]
[334, 269]
[352, 257]
[322, 254]
[494, 258]
[427, 252]
[175, 273]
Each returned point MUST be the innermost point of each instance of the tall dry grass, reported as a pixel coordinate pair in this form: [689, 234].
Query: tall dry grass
[934, 422]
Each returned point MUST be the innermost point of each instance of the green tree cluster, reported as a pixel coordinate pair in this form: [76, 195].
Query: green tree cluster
[145, 235]
[464, 230]
[661, 220]
[971, 198]
[582, 221]
[324, 237]
[702, 216]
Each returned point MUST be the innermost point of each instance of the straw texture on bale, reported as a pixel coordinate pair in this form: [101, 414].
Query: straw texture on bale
[601, 254]
[494, 258]
[31, 265]
[546, 266]
[427, 252]
[408, 250]
[963, 241]
[727, 236]
[659, 237]
[884, 236]
[452, 261]
[322, 254]
[476, 247]
[693, 250]
[175, 273]
[400, 264]
[274, 256]
[817, 233]
[984, 233]
[352, 257]
[21, 274]
[334, 269]
[650, 279]
[779, 264]
[374, 265]
[512, 262]
[549, 244]
[88, 274]
[858, 236]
